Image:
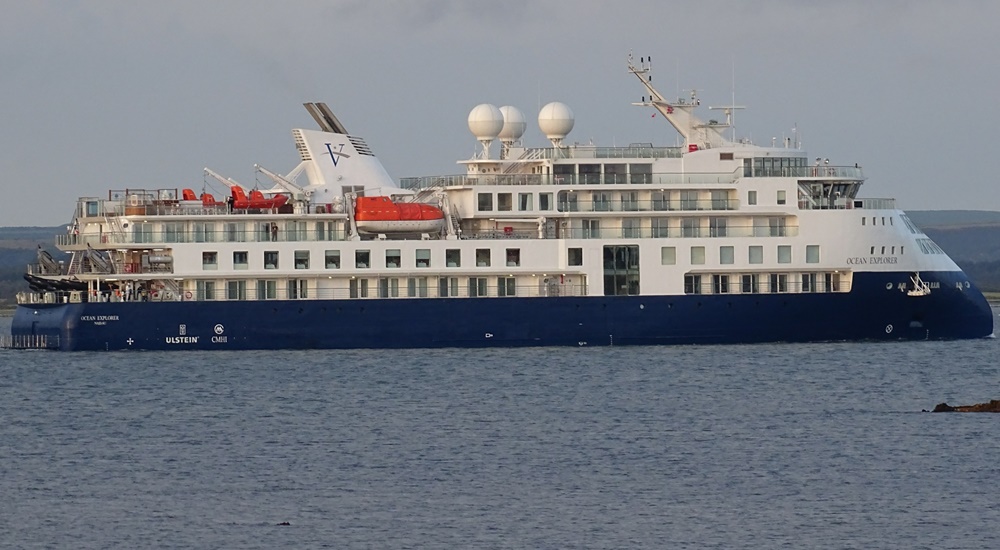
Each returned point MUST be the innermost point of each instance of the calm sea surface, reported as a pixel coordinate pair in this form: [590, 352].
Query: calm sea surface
[762, 446]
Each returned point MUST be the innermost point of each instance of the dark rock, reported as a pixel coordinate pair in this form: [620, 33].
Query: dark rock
[993, 406]
[284, 523]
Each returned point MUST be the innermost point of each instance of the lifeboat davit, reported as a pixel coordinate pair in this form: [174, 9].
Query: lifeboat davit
[381, 215]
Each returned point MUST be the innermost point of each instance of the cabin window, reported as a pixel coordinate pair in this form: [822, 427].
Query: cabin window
[661, 200]
[752, 197]
[545, 201]
[812, 254]
[524, 202]
[204, 232]
[332, 259]
[720, 284]
[779, 282]
[621, 270]
[241, 259]
[173, 232]
[362, 258]
[640, 173]
[692, 284]
[776, 227]
[388, 287]
[271, 259]
[574, 257]
[756, 254]
[725, 156]
[727, 255]
[717, 227]
[689, 200]
[505, 202]
[301, 259]
[423, 257]
[453, 257]
[234, 232]
[863, 220]
[690, 227]
[205, 290]
[591, 229]
[660, 227]
[809, 282]
[236, 290]
[784, 254]
[630, 201]
[359, 288]
[615, 173]
[416, 287]
[781, 196]
[668, 255]
[506, 286]
[478, 286]
[513, 257]
[482, 257]
[750, 284]
[297, 289]
[142, 232]
[630, 228]
[564, 173]
[600, 201]
[720, 200]
[210, 260]
[447, 286]
[697, 255]
[392, 258]
[590, 173]
[568, 201]
[267, 289]
[486, 202]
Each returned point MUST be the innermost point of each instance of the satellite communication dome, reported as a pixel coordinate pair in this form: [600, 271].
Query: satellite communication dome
[485, 122]
[555, 120]
[513, 123]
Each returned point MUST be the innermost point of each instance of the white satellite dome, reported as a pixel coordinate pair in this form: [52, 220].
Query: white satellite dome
[485, 121]
[513, 123]
[555, 120]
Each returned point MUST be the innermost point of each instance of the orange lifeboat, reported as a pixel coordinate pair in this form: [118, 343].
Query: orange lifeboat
[256, 200]
[381, 215]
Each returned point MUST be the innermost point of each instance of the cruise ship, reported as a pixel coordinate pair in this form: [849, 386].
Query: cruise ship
[717, 240]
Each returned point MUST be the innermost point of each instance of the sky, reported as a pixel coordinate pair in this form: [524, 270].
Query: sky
[113, 94]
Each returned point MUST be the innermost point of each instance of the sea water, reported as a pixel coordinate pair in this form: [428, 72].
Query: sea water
[756, 446]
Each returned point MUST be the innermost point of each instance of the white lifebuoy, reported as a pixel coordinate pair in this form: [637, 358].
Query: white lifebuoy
[188, 295]
[133, 200]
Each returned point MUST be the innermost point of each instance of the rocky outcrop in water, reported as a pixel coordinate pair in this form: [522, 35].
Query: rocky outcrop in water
[992, 407]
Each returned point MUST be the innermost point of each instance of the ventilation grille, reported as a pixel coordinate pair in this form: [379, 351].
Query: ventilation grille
[360, 146]
[300, 144]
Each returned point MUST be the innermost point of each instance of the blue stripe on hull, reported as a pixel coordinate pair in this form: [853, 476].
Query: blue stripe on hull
[871, 310]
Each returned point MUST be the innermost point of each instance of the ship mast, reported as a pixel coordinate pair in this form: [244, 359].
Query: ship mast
[697, 133]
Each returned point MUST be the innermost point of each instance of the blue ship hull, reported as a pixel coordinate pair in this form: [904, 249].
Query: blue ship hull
[875, 309]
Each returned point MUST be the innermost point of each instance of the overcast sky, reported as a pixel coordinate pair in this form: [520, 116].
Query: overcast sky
[112, 94]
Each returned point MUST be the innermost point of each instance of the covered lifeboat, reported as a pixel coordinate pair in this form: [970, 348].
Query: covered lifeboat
[382, 215]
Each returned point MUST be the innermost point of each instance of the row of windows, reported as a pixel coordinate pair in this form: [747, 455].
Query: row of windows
[755, 283]
[362, 258]
[614, 201]
[928, 246]
[890, 249]
[237, 232]
[686, 227]
[875, 219]
[727, 254]
[386, 287]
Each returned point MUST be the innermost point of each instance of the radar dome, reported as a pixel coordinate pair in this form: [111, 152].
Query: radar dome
[513, 123]
[555, 120]
[485, 121]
